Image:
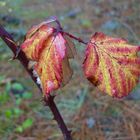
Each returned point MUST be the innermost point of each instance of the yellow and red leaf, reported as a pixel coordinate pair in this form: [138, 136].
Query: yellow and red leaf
[112, 64]
[49, 50]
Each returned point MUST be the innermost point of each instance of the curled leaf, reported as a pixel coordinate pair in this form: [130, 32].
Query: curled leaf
[49, 50]
[112, 64]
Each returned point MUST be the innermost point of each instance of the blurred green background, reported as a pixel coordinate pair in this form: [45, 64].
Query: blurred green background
[90, 114]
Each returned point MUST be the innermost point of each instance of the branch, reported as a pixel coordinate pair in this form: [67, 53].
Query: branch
[49, 101]
[7, 38]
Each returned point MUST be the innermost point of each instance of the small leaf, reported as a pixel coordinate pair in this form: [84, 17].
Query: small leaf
[4, 97]
[27, 123]
[49, 50]
[112, 64]
[27, 95]
[8, 113]
[17, 112]
[17, 86]
[19, 129]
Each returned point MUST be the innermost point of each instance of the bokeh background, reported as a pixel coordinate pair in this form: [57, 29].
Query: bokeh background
[90, 114]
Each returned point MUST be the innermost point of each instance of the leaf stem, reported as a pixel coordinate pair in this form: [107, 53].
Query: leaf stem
[74, 37]
[49, 101]
[60, 29]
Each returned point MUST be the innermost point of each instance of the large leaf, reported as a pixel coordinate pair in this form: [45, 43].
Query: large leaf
[49, 50]
[112, 64]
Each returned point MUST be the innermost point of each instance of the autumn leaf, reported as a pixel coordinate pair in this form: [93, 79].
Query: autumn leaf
[112, 64]
[50, 52]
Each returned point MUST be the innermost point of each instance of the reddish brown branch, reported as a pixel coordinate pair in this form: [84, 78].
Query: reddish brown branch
[7, 38]
[49, 101]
